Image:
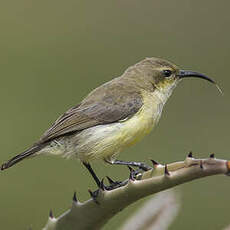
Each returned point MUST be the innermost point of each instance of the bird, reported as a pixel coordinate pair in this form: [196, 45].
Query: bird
[112, 117]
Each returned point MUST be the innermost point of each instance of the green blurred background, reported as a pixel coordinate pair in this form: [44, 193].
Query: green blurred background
[54, 52]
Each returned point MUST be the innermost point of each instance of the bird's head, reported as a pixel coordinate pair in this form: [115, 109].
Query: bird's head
[162, 74]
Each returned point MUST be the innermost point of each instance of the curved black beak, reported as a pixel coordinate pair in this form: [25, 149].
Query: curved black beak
[187, 73]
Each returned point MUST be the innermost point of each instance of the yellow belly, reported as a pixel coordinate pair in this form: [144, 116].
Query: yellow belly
[106, 141]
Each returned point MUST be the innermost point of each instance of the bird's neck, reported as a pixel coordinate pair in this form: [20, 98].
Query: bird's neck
[163, 93]
[154, 102]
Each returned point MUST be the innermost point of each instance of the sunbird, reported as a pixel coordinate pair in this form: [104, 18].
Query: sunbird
[113, 116]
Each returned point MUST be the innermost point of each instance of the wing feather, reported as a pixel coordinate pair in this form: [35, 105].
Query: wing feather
[108, 103]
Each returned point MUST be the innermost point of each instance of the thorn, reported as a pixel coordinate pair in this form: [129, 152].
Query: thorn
[155, 163]
[51, 214]
[110, 180]
[201, 164]
[74, 197]
[132, 172]
[212, 155]
[102, 186]
[190, 154]
[166, 170]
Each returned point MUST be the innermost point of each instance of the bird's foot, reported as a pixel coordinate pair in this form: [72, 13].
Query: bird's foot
[114, 184]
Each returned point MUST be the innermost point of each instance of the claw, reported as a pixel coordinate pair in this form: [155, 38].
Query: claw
[190, 154]
[110, 180]
[93, 196]
[102, 186]
[74, 197]
[113, 184]
[166, 170]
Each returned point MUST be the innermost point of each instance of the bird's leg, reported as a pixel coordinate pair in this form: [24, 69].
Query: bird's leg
[88, 166]
[141, 165]
[113, 184]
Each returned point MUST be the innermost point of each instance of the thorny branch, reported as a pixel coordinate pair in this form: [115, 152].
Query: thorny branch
[106, 202]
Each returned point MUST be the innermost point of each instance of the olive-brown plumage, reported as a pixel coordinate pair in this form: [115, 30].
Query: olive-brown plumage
[113, 116]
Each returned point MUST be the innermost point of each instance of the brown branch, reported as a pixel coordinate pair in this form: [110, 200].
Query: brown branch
[97, 211]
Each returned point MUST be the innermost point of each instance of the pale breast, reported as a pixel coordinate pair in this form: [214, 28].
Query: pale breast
[143, 122]
[104, 141]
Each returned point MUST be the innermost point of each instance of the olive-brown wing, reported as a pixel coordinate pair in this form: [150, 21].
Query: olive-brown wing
[104, 105]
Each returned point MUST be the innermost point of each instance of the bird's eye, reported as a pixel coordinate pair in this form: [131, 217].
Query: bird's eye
[167, 72]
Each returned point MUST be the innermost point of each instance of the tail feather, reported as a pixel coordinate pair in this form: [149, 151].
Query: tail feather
[21, 156]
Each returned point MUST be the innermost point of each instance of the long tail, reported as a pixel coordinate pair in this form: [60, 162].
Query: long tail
[21, 156]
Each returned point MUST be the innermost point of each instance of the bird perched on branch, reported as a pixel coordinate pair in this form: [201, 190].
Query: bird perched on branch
[113, 116]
